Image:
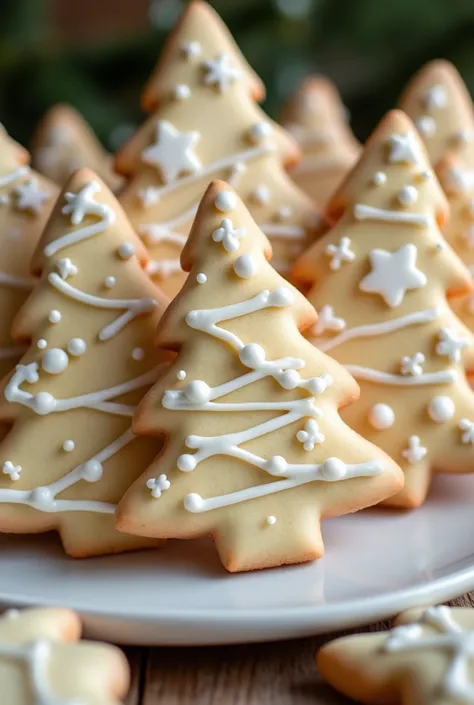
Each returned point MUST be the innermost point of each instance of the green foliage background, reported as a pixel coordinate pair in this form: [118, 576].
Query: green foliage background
[369, 47]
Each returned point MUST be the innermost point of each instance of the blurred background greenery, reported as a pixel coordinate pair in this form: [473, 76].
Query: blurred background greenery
[96, 54]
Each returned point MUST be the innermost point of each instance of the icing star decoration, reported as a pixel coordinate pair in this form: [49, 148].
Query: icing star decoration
[450, 344]
[220, 72]
[393, 274]
[30, 196]
[173, 152]
[404, 148]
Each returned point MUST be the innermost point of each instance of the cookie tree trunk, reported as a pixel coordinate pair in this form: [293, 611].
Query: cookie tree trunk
[205, 123]
[256, 453]
[90, 322]
[381, 278]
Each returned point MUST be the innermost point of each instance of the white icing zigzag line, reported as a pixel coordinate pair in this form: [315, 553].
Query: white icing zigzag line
[451, 637]
[44, 498]
[12, 176]
[198, 396]
[44, 403]
[210, 169]
[36, 656]
[16, 282]
[79, 205]
[363, 212]
[135, 307]
[368, 331]
[370, 375]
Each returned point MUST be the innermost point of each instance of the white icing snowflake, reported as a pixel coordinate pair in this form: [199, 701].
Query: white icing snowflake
[80, 203]
[13, 471]
[413, 365]
[30, 196]
[311, 435]
[228, 235]
[450, 344]
[405, 148]
[327, 321]
[340, 253]
[468, 428]
[415, 451]
[220, 72]
[393, 274]
[173, 151]
[66, 268]
[436, 97]
[158, 485]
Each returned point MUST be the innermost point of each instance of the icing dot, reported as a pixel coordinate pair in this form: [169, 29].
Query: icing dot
[193, 502]
[408, 195]
[138, 354]
[259, 131]
[43, 403]
[379, 178]
[441, 409]
[282, 296]
[54, 316]
[69, 446]
[181, 374]
[276, 465]
[245, 266]
[110, 282]
[191, 49]
[284, 212]
[54, 361]
[41, 344]
[271, 520]
[76, 346]
[225, 201]
[92, 471]
[426, 125]
[201, 278]
[261, 194]
[182, 91]
[197, 392]
[186, 462]
[436, 97]
[41, 495]
[381, 416]
[464, 136]
[252, 355]
[333, 469]
[290, 379]
[126, 250]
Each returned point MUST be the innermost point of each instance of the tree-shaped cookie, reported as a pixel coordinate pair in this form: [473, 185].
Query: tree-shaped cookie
[256, 453]
[26, 199]
[317, 119]
[43, 662]
[63, 142]
[426, 658]
[438, 101]
[457, 181]
[90, 323]
[380, 280]
[205, 124]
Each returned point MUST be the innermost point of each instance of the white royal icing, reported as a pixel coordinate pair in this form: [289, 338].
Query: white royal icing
[30, 196]
[173, 152]
[327, 321]
[450, 638]
[441, 409]
[415, 451]
[436, 97]
[450, 344]
[412, 365]
[405, 148]
[339, 253]
[54, 316]
[467, 427]
[228, 235]
[158, 485]
[363, 212]
[199, 396]
[245, 266]
[381, 416]
[220, 72]
[393, 274]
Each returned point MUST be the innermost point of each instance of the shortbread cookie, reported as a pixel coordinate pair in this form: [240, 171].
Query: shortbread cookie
[43, 662]
[425, 659]
[90, 324]
[438, 101]
[256, 453]
[379, 280]
[205, 124]
[63, 142]
[317, 119]
[26, 200]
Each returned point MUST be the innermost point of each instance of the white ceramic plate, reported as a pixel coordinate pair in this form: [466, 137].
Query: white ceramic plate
[378, 562]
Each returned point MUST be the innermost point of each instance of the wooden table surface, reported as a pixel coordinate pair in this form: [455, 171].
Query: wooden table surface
[281, 673]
